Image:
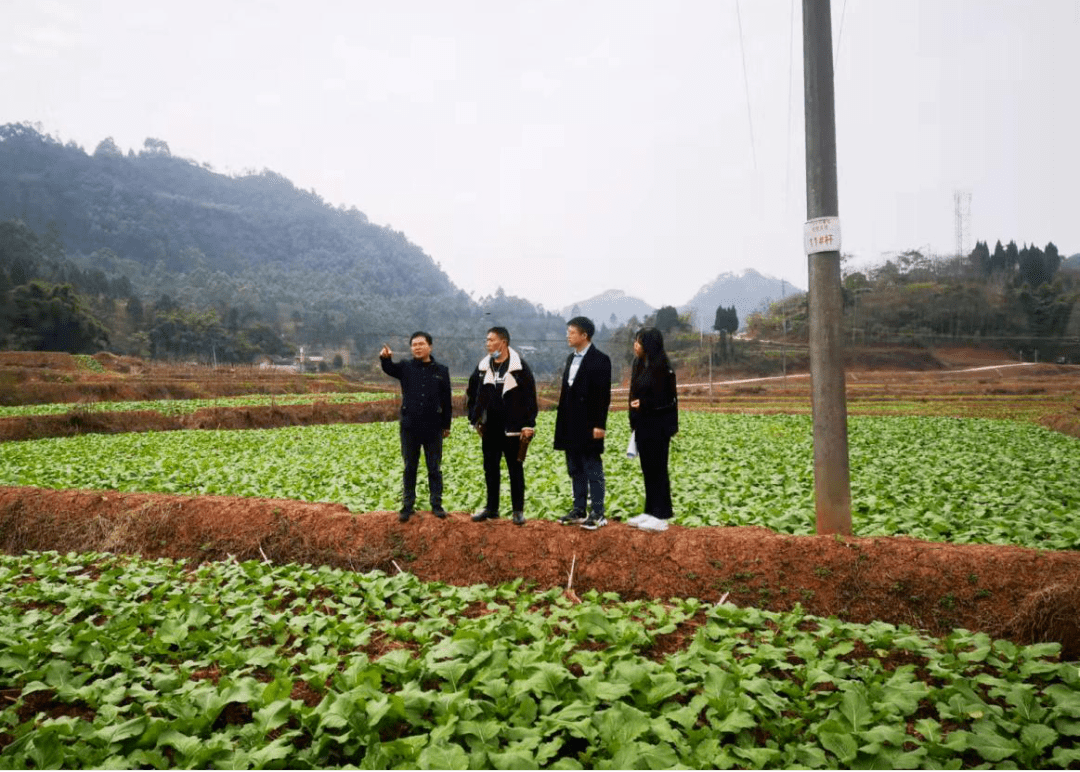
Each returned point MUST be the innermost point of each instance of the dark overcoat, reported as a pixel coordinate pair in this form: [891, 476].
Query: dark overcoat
[584, 406]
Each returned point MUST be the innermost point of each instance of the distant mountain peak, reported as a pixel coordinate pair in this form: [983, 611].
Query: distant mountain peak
[610, 294]
[747, 290]
[613, 302]
[745, 273]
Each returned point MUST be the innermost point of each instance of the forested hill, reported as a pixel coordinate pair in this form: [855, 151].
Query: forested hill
[161, 211]
[250, 247]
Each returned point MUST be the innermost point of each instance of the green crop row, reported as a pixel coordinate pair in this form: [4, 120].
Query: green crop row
[87, 362]
[938, 479]
[114, 662]
[186, 406]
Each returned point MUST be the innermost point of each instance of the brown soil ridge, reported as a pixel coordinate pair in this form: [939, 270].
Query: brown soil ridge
[1022, 594]
[13, 428]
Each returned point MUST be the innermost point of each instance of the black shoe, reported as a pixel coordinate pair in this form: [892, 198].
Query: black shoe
[574, 517]
[519, 518]
[405, 514]
[484, 514]
[438, 511]
[594, 521]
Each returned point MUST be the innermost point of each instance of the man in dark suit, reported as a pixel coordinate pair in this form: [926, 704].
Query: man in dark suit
[581, 422]
[425, 419]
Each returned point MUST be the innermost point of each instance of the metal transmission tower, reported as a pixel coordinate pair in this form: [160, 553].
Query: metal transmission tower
[962, 210]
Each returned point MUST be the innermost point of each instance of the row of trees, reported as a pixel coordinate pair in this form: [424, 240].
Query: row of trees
[668, 319]
[1017, 297]
[1028, 265]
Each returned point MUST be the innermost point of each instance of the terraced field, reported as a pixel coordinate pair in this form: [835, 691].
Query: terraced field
[213, 596]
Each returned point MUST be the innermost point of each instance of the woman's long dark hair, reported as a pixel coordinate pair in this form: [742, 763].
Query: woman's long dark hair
[655, 359]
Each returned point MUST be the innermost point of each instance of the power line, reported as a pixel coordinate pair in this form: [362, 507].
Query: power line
[840, 33]
[790, 112]
[746, 85]
[962, 214]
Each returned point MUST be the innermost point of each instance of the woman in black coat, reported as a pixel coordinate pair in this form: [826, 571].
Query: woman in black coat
[654, 417]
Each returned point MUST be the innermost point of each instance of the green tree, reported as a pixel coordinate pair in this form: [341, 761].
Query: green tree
[179, 333]
[164, 305]
[667, 319]
[52, 243]
[108, 148]
[980, 259]
[262, 339]
[152, 147]
[1037, 267]
[1012, 257]
[20, 250]
[998, 260]
[47, 317]
[121, 287]
[1048, 308]
[5, 307]
[1052, 259]
[726, 319]
[134, 310]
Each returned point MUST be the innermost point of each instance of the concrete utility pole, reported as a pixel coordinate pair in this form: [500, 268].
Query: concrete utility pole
[832, 488]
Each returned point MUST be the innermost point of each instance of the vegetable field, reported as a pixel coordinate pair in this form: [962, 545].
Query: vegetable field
[114, 662]
[188, 406]
[108, 660]
[932, 478]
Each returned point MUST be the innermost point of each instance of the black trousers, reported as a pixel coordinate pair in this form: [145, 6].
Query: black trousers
[411, 443]
[654, 454]
[497, 446]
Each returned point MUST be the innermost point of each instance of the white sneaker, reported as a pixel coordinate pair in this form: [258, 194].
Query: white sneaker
[653, 524]
[635, 521]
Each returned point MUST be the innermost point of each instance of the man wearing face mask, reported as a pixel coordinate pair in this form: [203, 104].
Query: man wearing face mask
[425, 419]
[501, 397]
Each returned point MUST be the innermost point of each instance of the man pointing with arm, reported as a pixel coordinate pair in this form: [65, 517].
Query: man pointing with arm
[426, 411]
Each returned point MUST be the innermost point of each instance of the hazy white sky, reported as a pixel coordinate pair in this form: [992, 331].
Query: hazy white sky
[562, 148]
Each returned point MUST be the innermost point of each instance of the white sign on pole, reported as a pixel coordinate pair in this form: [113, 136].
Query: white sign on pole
[822, 235]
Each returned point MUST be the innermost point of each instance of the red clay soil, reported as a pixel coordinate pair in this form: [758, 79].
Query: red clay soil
[14, 428]
[40, 377]
[1022, 594]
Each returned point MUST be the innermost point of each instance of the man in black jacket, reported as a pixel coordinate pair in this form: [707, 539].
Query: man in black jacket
[581, 422]
[426, 411]
[501, 397]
